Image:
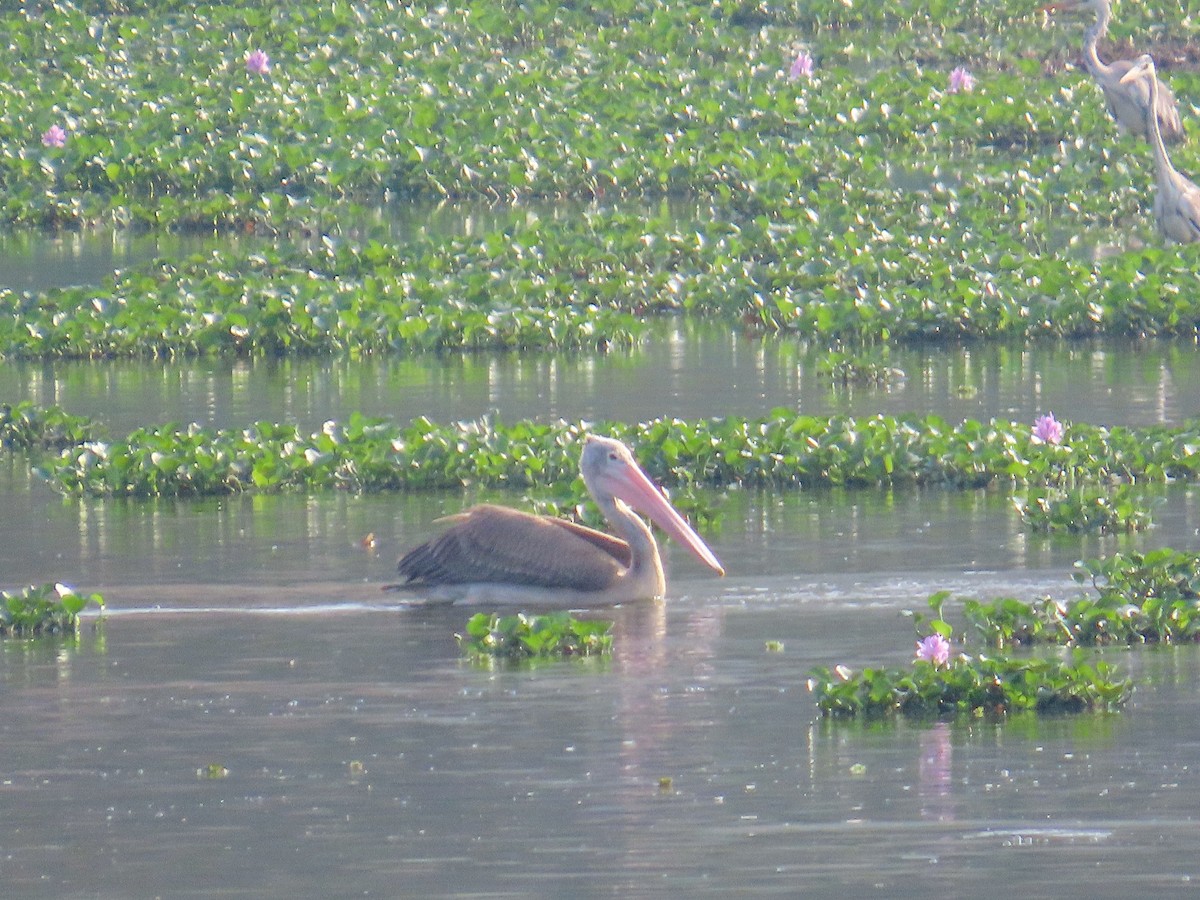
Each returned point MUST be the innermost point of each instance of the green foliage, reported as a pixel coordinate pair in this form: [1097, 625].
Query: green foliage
[779, 450]
[1138, 598]
[333, 298]
[589, 281]
[48, 609]
[496, 100]
[864, 204]
[1082, 509]
[972, 684]
[24, 426]
[524, 636]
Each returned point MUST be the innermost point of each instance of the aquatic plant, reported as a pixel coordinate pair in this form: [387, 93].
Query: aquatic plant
[972, 684]
[851, 368]
[1134, 598]
[801, 67]
[941, 681]
[44, 609]
[1047, 429]
[591, 280]
[961, 80]
[523, 636]
[869, 205]
[599, 99]
[258, 63]
[54, 136]
[780, 449]
[332, 298]
[934, 649]
[24, 426]
[1052, 508]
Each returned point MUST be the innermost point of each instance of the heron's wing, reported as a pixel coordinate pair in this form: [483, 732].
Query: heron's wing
[1177, 209]
[1189, 211]
[1169, 122]
[494, 545]
[1128, 101]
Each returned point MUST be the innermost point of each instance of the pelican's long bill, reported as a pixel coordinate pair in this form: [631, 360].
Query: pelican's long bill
[630, 484]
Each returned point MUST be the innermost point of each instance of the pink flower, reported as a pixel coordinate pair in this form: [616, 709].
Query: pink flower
[802, 67]
[934, 649]
[961, 80]
[258, 63]
[1047, 430]
[54, 136]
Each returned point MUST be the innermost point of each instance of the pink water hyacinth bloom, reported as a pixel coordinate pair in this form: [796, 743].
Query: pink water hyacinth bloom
[961, 80]
[1047, 430]
[54, 136]
[802, 67]
[934, 649]
[258, 63]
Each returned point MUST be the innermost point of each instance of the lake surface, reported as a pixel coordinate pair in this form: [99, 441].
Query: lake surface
[255, 717]
[685, 370]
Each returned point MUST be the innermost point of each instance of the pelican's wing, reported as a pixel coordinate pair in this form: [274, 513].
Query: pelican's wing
[495, 545]
[613, 546]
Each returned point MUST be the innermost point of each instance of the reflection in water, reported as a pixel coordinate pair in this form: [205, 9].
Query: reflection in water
[686, 370]
[50, 662]
[935, 773]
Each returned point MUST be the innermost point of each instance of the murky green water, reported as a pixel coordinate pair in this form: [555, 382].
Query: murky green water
[356, 753]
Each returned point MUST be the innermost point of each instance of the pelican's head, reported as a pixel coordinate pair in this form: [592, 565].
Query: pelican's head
[610, 472]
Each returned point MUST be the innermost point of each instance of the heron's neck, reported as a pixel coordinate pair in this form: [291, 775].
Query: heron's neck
[1091, 38]
[645, 564]
[1162, 162]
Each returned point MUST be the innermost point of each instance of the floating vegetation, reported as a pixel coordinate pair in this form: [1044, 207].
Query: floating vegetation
[866, 196]
[976, 684]
[942, 681]
[48, 609]
[1151, 598]
[24, 426]
[334, 298]
[1054, 509]
[600, 100]
[589, 281]
[524, 636]
[781, 449]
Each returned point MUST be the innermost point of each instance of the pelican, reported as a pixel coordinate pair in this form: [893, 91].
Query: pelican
[1127, 101]
[491, 554]
[1177, 203]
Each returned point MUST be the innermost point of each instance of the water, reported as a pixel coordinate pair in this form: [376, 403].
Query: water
[685, 370]
[358, 755]
[256, 718]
